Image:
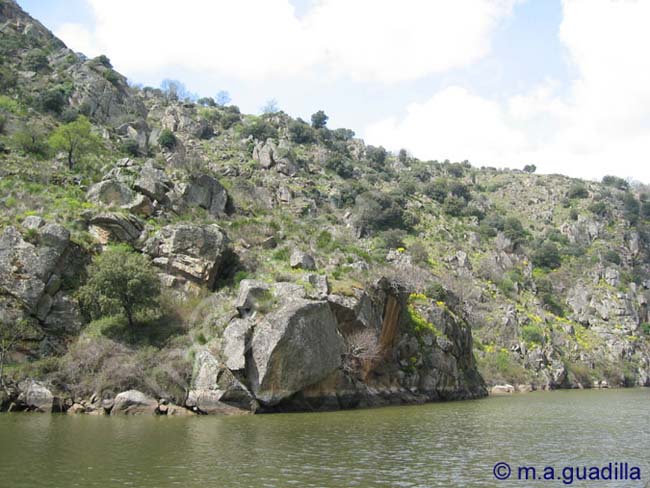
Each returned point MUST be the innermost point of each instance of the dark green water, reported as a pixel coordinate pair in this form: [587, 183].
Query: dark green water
[450, 444]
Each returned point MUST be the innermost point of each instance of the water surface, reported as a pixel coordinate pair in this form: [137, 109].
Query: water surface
[443, 444]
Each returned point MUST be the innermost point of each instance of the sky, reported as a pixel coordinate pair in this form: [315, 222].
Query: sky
[561, 84]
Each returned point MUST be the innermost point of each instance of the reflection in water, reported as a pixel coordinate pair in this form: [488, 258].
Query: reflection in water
[449, 444]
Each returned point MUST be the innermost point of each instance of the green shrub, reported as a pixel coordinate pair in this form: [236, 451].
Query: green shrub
[36, 60]
[131, 147]
[319, 120]
[616, 182]
[454, 206]
[103, 60]
[645, 328]
[631, 207]
[598, 208]
[437, 189]
[167, 139]
[31, 141]
[376, 211]
[120, 280]
[532, 334]
[547, 256]
[260, 129]
[281, 254]
[612, 256]
[324, 240]
[578, 190]
[340, 166]
[52, 101]
[376, 155]
[111, 76]
[514, 231]
[301, 133]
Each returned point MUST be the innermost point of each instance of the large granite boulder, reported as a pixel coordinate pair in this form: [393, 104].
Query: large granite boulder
[294, 347]
[190, 251]
[216, 390]
[134, 402]
[302, 260]
[110, 193]
[36, 397]
[116, 227]
[153, 182]
[206, 192]
[236, 343]
[263, 153]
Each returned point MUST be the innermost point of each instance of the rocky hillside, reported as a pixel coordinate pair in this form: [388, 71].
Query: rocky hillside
[299, 268]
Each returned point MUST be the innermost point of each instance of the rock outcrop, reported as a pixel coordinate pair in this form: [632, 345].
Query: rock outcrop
[189, 252]
[134, 402]
[294, 347]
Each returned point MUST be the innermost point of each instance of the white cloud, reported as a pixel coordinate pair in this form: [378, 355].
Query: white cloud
[367, 40]
[601, 127]
[453, 124]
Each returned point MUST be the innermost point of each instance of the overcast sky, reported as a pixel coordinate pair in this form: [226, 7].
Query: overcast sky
[564, 85]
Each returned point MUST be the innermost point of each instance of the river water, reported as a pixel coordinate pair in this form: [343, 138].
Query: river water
[443, 444]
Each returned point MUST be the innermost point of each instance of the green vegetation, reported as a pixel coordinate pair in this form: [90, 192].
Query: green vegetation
[76, 139]
[319, 120]
[167, 139]
[120, 280]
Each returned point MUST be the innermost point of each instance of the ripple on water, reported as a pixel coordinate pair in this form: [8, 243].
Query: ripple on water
[449, 444]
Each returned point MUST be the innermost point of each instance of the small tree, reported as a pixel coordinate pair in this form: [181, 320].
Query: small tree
[530, 168]
[271, 106]
[75, 138]
[120, 280]
[223, 98]
[319, 120]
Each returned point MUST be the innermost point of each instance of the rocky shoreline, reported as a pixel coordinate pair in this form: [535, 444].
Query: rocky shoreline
[313, 351]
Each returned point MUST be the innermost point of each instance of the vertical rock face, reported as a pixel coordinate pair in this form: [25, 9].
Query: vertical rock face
[32, 280]
[344, 352]
[296, 346]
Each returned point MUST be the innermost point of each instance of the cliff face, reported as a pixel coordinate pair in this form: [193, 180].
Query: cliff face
[301, 269]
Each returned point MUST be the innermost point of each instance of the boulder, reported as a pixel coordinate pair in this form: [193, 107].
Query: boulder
[206, 192]
[263, 153]
[250, 294]
[26, 269]
[235, 343]
[36, 397]
[33, 222]
[114, 227]
[110, 193]
[141, 205]
[301, 260]
[75, 409]
[153, 182]
[294, 347]
[176, 411]
[215, 390]
[192, 251]
[134, 402]
[319, 286]
[502, 389]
